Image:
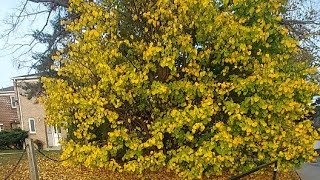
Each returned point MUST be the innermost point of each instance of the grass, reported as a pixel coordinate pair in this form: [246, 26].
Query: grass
[52, 170]
[10, 151]
[8, 157]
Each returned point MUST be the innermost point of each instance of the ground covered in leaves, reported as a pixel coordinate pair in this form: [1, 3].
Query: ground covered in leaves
[53, 170]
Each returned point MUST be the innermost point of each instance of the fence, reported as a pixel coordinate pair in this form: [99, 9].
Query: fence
[275, 169]
[16, 165]
[29, 149]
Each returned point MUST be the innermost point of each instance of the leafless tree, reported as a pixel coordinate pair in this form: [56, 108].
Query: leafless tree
[49, 35]
[302, 18]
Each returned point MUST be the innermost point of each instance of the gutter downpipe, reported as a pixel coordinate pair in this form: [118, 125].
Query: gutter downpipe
[19, 101]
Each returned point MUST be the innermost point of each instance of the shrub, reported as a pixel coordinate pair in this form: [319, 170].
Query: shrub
[14, 138]
[199, 86]
[39, 143]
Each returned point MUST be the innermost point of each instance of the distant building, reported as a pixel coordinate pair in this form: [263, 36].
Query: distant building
[8, 109]
[32, 114]
[316, 116]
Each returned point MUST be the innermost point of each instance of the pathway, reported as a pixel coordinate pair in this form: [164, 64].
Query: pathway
[310, 171]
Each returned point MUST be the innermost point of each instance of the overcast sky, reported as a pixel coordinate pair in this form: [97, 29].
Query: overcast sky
[8, 65]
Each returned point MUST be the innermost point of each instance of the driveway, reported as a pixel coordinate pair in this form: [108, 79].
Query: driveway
[310, 171]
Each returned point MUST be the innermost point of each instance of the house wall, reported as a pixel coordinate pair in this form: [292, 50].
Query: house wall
[31, 108]
[8, 114]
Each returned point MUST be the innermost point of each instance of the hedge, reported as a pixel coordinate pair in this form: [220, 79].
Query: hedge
[12, 139]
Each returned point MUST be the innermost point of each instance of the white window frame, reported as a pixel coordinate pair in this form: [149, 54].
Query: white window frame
[1, 127]
[13, 102]
[34, 123]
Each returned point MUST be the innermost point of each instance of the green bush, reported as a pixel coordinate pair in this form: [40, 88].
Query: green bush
[12, 139]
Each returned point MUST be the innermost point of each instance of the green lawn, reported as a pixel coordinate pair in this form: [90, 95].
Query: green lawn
[11, 157]
[8, 157]
[10, 151]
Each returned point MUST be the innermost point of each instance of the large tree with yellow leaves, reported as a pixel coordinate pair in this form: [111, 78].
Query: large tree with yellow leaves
[196, 86]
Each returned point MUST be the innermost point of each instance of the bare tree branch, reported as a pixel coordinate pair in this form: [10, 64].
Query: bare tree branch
[302, 22]
[35, 13]
[63, 3]
[22, 50]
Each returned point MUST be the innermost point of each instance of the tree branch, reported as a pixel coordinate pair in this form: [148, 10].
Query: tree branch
[301, 22]
[63, 3]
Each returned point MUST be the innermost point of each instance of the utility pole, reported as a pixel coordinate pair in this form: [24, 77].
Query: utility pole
[33, 169]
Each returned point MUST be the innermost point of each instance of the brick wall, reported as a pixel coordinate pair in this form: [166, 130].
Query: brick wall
[8, 115]
[30, 108]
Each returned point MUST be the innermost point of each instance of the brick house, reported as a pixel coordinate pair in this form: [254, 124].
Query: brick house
[32, 114]
[8, 109]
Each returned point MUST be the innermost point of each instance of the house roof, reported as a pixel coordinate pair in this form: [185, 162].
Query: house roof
[26, 77]
[7, 89]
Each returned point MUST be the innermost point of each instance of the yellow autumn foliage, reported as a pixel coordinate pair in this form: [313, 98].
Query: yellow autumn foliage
[200, 87]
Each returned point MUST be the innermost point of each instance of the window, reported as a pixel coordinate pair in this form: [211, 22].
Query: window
[1, 127]
[13, 102]
[57, 130]
[32, 126]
